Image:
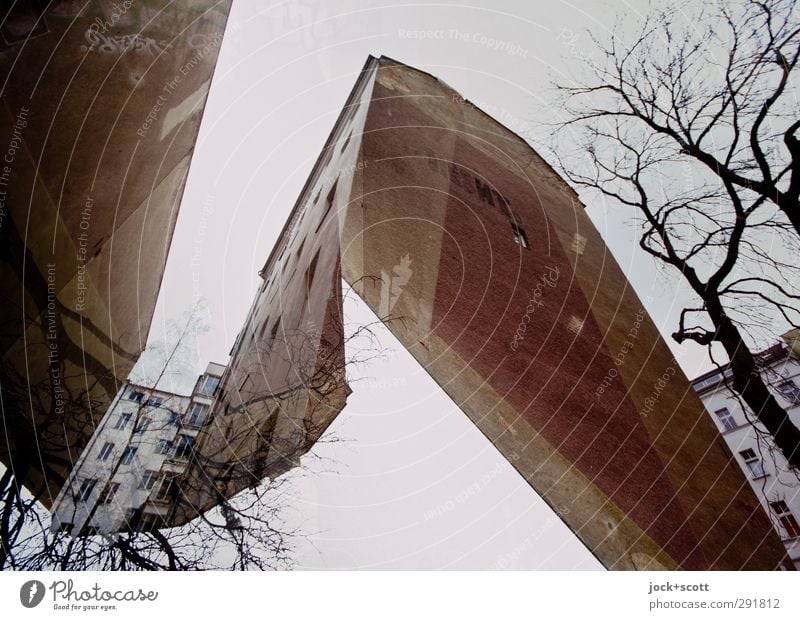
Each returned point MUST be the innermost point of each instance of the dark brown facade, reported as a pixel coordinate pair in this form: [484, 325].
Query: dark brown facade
[482, 262]
[99, 112]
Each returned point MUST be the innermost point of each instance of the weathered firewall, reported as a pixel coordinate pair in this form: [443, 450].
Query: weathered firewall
[99, 113]
[482, 262]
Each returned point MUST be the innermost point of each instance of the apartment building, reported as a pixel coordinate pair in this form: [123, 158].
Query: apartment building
[100, 110]
[774, 482]
[128, 476]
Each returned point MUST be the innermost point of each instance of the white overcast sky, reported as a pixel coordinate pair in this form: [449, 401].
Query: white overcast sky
[411, 484]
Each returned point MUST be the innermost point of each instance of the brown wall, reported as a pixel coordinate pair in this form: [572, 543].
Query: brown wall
[286, 383]
[102, 109]
[632, 464]
[546, 348]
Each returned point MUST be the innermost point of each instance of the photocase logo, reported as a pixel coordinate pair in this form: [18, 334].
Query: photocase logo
[31, 593]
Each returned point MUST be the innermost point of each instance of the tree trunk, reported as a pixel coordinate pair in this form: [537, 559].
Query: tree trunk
[749, 384]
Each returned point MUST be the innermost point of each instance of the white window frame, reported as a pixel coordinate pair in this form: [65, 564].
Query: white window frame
[185, 453]
[164, 447]
[128, 455]
[123, 420]
[86, 489]
[201, 389]
[165, 487]
[785, 516]
[197, 420]
[154, 401]
[753, 462]
[109, 493]
[725, 416]
[790, 391]
[149, 478]
[105, 451]
[141, 425]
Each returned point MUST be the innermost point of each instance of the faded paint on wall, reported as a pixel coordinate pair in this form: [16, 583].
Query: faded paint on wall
[89, 202]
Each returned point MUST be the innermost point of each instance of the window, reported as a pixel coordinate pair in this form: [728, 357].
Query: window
[149, 523]
[123, 420]
[86, 488]
[753, 462]
[163, 446]
[154, 401]
[135, 395]
[142, 425]
[183, 447]
[726, 418]
[274, 332]
[265, 434]
[329, 200]
[132, 516]
[346, 142]
[197, 414]
[168, 488]
[312, 269]
[520, 238]
[149, 478]
[105, 451]
[107, 496]
[263, 328]
[127, 455]
[208, 385]
[786, 519]
[790, 391]
[300, 249]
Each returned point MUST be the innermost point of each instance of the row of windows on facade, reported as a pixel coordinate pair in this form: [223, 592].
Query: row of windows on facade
[196, 416]
[786, 519]
[788, 389]
[309, 275]
[180, 449]
[329, 202]
[755, 466]
[150, 479]
[749, 456]
[208, 386]
[518, 234]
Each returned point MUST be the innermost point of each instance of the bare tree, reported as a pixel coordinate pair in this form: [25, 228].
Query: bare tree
[295, 385]
[245, 531]
[227, 507]
[693, 125]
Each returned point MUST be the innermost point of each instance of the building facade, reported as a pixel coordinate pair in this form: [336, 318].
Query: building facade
[482, 262]
[127, 477]
[99, 112]
[775, 483]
